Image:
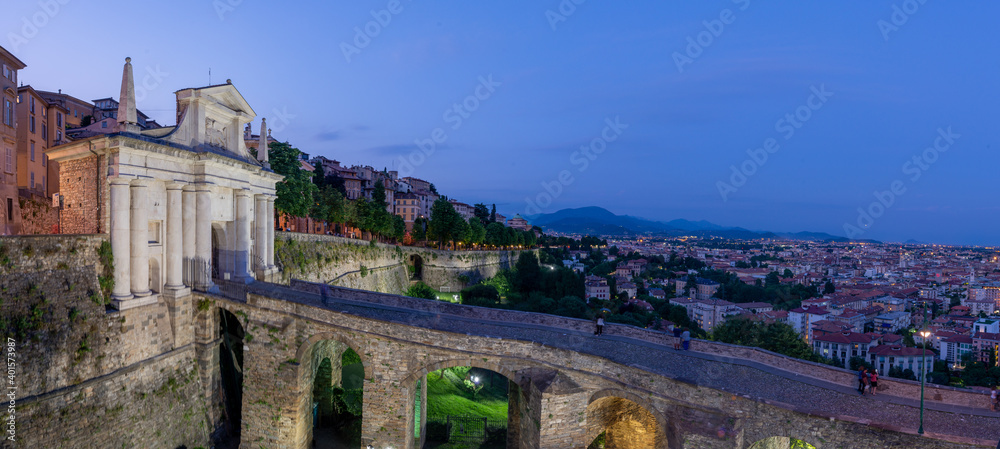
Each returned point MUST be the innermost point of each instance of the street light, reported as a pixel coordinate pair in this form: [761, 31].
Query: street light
[923, 377]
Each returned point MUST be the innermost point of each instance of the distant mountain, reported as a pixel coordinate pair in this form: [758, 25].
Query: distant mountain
[600, 221]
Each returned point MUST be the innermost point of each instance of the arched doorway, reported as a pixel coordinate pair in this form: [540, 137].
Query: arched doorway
[619, 420]
[231, 371]
[416, 268]
[458, 404]
[332, 374]
[781, 443]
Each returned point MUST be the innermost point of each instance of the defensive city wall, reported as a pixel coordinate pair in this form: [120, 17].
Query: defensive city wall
[380, 267]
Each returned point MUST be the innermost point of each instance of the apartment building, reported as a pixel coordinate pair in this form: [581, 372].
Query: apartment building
[10, 217]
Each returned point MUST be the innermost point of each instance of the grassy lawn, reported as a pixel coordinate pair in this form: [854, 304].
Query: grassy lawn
[447, 395]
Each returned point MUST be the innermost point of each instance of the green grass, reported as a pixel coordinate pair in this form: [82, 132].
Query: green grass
[447, 395]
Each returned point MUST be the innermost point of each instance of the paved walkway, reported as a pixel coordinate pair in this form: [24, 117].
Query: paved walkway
[737, 376]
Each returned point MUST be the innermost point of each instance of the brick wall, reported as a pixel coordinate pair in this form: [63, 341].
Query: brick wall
[83, 185]
[38, 217]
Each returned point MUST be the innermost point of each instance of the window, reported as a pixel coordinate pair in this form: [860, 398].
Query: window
[31, 106]
[104, 124]
[31, 124]
[58, 136]
[8, 112]
[45, 131]
[59, 119]
[45, 160]
[32, 184]
[9, 159]
[32, 152]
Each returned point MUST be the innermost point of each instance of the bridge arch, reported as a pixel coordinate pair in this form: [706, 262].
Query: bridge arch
[628, 421]
[310, 356]
[417, 266]
[415, 386]
[231, 362]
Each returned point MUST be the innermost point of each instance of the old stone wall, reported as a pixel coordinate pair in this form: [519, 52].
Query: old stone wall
[38, 217]
[380, 267]
[84, 188]
[87, 373]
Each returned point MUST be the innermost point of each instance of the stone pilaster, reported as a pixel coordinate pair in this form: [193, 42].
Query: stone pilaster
[139, 230]
[120, 240]
[242, 250]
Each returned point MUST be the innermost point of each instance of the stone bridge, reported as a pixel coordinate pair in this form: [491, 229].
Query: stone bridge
[566, 385]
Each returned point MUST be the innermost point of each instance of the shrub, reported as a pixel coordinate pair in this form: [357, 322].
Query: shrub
[438, 431]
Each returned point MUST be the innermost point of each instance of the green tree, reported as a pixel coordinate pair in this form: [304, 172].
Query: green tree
[329, 205]
[477, 232]
[772, 279]
[829, 288]
[787, 273]
[493, 214]
[527, 273]
[419, 232]
[495, 235]
[294, 193]
[446, 225]
[482, 213]
[398, 228]
[421, 290]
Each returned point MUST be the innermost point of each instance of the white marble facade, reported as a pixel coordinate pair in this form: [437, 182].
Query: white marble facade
[187, 204]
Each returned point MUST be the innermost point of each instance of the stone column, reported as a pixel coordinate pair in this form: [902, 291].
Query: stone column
[120, 247]
[190, 212]
[242, 250]
[140, 238]
[203, 239]
[270, 232]
[174, 285]
[260, 235]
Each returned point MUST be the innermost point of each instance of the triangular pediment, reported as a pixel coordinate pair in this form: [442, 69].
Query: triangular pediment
[226, 95]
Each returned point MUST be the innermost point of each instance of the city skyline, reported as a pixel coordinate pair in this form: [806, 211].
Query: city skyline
[821, 110]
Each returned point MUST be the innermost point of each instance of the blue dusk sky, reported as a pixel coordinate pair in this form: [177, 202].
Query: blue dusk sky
[782, 116]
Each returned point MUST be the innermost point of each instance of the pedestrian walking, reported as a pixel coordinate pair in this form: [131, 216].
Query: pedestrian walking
[861, 380]
[993, 398]
[677, 337]
[600, 326]
[686, 339]
[873, 380]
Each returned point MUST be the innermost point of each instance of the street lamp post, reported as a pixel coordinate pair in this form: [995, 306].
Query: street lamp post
[923, 375]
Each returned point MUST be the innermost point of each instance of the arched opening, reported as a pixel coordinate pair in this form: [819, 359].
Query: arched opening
[231, 371]
[781, 443]
[416, 268]
[336, 375]
[154, 275]
[618, 421]
[462, 405]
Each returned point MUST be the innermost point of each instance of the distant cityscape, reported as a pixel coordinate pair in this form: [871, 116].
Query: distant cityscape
[871, 298]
